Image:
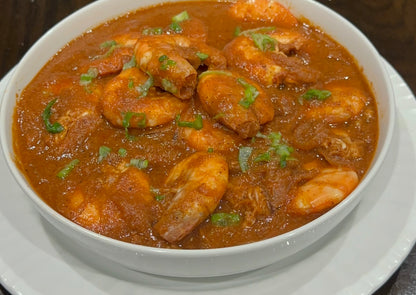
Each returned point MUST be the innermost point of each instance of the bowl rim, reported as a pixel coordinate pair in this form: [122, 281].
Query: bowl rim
[189, 253]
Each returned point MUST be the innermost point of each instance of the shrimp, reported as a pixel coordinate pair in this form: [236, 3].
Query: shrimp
[344, 104]
[200, 182]
[239, 103]
[131, 91]
[270, 66]
[173, 59]
[208, 137]
[124, 204]
[328, 188]
[263, 10]
[116, 53]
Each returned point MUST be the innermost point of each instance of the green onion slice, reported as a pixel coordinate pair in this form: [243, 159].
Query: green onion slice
[111, 45]
[202, 56]
[180, 17]
[277, 147]
[139, 163]
[250, 93]
[176, 27]
[103, 152]
[46, 114]
[67, 169]
[265, 157]
[284, 152]
[316, 94]
[225, 219]
[126, 122]
[196, 124]
[152, 31]
[166, 63]
[122, 152]
[244, 154]
[86, 78]
[160, 197]
[218, 116]
[108, 44]
[275, 138]
[169, 86]
[131, 83]
[144, 89]
[264, 42]
[130, 64]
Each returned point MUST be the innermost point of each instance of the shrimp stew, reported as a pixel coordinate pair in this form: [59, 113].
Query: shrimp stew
[197, 125]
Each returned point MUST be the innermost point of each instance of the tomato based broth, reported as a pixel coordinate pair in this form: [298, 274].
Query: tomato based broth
[270, 124]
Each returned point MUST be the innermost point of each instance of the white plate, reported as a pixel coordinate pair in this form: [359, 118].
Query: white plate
[355, 258]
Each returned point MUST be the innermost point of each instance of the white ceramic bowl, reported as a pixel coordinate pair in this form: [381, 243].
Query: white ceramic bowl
[212, 262]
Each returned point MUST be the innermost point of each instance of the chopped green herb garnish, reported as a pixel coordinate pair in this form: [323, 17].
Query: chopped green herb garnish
[225, 219]
[210, 150]
[86, 78]
[67, 169]
[265, 157]
[111, 44]
[169, 86]
[166, 63]
[126, 122]
[284, 152]
[152, 31]
[103, 152]
[176, 27]
[237, 31]
[264, 42]
[108, 44]
[46, 115]
[130, 64]
[131, 83]
[218, 116]
[122, 152]
[277, 147]
[214, 72]
[144, 89]
[160, 197]
[316, 94]
[250, 93]
[202, 56]
[180, 17]
[244, 154]
[139, 163]
[275, 138]
[196, 124]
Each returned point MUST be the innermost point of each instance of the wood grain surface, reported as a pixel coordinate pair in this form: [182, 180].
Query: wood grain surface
[389, 24]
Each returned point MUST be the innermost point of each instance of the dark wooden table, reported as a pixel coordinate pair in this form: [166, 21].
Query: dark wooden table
[389, 24]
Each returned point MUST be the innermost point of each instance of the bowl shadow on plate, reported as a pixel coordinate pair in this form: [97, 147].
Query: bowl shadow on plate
[93, 266]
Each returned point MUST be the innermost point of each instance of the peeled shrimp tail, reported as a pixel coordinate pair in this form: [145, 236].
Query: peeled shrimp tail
[201, 181]
[328, 188]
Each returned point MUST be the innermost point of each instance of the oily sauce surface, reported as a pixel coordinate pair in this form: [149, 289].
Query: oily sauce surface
[110, 194]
